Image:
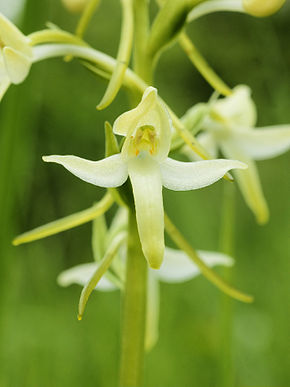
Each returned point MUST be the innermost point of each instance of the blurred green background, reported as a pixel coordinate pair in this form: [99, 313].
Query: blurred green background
[53, 112]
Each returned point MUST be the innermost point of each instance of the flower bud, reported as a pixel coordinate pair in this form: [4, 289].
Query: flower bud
[261, 8]
[75, 6]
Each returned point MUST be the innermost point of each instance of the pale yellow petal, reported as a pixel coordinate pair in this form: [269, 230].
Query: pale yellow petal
[12, 37]
[17, 65]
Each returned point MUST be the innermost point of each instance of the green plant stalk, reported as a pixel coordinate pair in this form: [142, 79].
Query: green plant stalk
[134, 310]
[142, 63]
[135, 296]
[226, 367]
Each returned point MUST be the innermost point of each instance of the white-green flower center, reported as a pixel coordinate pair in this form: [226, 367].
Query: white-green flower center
[144, 140]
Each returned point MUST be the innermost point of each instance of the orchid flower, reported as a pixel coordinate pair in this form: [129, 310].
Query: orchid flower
[258, 8]
[144, 159]
[15, 55]
[230, 127]
[176, 268]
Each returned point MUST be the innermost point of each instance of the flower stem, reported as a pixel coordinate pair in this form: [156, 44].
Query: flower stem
[134, 310]
[142, 63]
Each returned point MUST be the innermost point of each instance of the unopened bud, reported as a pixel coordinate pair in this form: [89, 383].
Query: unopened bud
[261, 8]
[75, 6]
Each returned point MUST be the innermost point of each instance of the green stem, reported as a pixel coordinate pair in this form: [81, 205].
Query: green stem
[226, 308]
[142, 64]
[135, 296]
[134, 310]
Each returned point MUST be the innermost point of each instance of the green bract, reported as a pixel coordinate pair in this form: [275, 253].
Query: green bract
[144, 159]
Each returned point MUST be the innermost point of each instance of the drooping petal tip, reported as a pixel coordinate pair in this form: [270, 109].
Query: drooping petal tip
[185, 176]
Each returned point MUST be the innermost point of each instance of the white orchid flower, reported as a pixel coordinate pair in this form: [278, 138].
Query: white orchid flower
[230, 127]
[15, 55]
[144, 159]
[258, 8]
[176, 268]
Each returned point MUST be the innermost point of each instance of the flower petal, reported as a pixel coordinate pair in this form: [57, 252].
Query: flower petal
[17, 65]
[263, 143]
[4, 84]
[127, 122]
[11, 36]
[237, 109]
[109, 172]
[178, 267]
[249, 182]
[150, 112]
[181, 176]
[81, 275]
[145, 177]
[152, 312]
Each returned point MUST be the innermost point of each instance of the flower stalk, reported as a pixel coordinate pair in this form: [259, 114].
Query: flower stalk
[133, 310]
